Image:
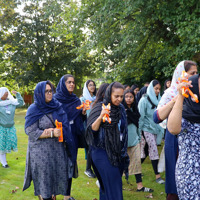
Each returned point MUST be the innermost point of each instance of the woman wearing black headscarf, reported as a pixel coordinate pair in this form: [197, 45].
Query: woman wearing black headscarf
[109, 142]
[64, 94]
[47, 158]
[142, 91]
[184, 121]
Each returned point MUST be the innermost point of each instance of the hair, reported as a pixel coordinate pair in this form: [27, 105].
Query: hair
[87, 83]
[155, 82]
[188, 64]
[100, 93]
[134, 104]
[125, 86]
[134, 86]
[52, 86]
[67, 76]
[165, 84]
[117, 85]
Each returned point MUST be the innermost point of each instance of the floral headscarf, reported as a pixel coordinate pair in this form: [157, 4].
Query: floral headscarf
[172, 91]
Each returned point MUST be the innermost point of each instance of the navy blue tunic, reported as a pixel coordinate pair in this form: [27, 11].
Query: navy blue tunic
[171, 154]
[109, 176]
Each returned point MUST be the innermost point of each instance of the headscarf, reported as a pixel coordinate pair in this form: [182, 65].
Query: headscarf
[86, 93]
[142, 91]
[154, 100]
[69, 104]
[40, 108]
[133, 114]
[191, 109]
[10, 99]
[111, 131]
[172, 91]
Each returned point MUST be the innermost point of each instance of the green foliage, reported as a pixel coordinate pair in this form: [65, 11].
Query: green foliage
[142, 39]
[129, 41]
[41, 46]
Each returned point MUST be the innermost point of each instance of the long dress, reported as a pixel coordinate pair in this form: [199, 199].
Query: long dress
[8, 137]
[188, 163]
[46, 161]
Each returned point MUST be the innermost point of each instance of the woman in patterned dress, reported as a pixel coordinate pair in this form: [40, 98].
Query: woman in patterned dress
[184, 120]
[8, 137]
[47, 158]
[160, 115]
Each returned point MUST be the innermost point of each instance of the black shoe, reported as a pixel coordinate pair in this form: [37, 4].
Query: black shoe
[6, 166]
[89, 173]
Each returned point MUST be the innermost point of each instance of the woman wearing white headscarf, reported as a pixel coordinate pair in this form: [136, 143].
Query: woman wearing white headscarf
[89, 93]
[8, 137]
[160, 115]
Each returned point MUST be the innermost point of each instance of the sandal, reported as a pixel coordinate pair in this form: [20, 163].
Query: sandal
[160, 181]
[144, 189]
[71, 198]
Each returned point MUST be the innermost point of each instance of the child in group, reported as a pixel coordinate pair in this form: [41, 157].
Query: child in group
[134, 138]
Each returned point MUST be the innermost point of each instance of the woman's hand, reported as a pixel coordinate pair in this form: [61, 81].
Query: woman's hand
[57, 132]
[14, 92]
[184, 84]
[103, 112]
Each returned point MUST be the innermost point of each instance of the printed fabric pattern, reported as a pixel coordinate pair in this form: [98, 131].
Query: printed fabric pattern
[188, 163]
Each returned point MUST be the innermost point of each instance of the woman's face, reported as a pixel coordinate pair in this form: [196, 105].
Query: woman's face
[70, 84]
[157, 89]
[129, 98]
[136, 90]
[117, 96]
[5, 96]
[168, 84]
[48, 93]
[91, 87]
[192, 71]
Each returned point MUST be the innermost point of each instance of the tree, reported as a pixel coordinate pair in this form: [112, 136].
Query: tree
[142, 39]
[36, 50]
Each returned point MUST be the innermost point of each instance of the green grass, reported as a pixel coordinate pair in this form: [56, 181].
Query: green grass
[83, 188]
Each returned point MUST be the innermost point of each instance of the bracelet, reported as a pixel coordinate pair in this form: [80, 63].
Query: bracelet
[52, 133]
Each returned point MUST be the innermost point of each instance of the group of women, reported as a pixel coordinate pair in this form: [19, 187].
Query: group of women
[115, 132]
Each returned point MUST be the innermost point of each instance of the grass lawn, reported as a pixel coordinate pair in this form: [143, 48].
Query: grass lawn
[83, 188]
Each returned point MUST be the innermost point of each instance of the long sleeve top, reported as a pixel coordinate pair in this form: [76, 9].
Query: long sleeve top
[7, 113]
[146, 122]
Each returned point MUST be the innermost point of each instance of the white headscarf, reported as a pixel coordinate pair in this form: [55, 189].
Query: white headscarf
[172, 91]
[10, 99]
[86, 93]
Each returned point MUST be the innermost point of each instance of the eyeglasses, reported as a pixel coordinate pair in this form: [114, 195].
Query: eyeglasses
[48, 91]
[69, 82]
[130, 97]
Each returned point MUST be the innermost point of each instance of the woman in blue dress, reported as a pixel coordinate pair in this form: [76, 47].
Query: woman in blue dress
[69, 101]
[184, 120]
[108, 142]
